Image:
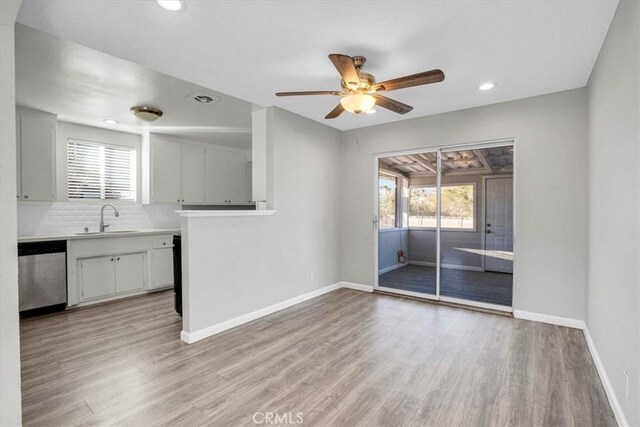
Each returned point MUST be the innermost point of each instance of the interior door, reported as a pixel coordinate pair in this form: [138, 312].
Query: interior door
[499, 225]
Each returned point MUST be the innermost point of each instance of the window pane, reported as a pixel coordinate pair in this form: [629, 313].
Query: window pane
[387, 201]
[422, 207]
[457, 211]
[100, 171]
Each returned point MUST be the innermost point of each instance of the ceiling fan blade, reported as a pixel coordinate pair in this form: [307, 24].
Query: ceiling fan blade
[310, 92]
[392, 104]
[335, 112]
[344, 65]
[433, 76]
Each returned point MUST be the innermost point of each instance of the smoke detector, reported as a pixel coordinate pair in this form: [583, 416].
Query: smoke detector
[146, 114]
[203, 98]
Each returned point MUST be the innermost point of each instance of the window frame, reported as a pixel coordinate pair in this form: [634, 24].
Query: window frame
[137, 175]
[453, 184]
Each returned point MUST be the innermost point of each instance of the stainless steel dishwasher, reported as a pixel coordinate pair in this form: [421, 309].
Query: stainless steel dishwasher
[42, 276]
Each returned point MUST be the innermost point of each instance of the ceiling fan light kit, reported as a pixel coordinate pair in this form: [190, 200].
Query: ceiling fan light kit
[358, 103]
[360, 91]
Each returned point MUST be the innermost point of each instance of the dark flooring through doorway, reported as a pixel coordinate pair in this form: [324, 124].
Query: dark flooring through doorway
[479, 286]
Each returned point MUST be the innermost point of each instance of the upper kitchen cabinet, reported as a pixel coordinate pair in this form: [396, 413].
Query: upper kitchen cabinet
[226, 176]
[164, 161]
[36, 142]
[193, 172]
[192, 175]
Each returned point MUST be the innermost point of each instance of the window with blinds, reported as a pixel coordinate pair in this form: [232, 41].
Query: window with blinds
[100, 171]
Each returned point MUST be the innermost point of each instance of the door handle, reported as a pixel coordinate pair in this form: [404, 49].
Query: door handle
[488, 225]
[488, 231]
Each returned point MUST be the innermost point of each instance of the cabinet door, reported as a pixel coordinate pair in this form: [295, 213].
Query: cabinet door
[237, 176]
[192, 180]
[161, 266]
[37, 158]
[216, 176]
[165, 175]
[97, 277]
[129, 272]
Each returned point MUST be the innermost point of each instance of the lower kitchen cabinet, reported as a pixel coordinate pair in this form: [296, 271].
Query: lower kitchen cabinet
[110, 275]
[103, 269]
[129, 272]
[97, 277]
[161, 268]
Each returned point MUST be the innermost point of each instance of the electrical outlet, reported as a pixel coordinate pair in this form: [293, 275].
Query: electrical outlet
[626, 384]
[312, 278]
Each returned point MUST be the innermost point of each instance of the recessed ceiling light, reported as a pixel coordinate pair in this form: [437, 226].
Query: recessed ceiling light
[486, 86]
[110, 121]
[371, 112]
[172, 5]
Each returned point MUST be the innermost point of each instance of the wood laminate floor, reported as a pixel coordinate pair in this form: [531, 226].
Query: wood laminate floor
[346, 358]
[480, 286]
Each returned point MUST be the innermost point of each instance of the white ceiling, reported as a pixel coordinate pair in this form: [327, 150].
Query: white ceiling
[85, 86]
[251, 49]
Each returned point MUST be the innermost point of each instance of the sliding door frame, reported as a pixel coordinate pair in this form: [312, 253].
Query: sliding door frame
[439, 150]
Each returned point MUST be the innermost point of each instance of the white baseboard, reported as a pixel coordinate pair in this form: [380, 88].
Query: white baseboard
[606, 383]
[356, 286]
[191, 337]
[449, 266]
[393, 267]
[546, 318]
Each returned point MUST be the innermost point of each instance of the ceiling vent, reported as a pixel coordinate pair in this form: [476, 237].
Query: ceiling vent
[203, 98]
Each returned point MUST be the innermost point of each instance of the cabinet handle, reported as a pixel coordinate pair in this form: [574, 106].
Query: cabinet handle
[25, 196]
[112, 259]
[118, 259]
[164, 243]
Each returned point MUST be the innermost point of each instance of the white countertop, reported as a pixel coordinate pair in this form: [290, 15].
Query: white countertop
[224, 213]
[96, 235]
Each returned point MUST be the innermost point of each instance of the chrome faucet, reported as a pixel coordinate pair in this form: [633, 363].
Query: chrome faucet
[103, 226]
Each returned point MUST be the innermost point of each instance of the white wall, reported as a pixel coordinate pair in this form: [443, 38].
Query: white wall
[551, 199]
[613, 312]
[10, 397]
[293, 252]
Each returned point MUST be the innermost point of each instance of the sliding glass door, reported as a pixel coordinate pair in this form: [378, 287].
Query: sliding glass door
[407, 225]
[446, 224]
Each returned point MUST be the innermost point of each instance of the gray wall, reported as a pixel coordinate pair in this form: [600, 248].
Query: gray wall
[237, 265]
[614, 212]
[388, 246]
[551, 199]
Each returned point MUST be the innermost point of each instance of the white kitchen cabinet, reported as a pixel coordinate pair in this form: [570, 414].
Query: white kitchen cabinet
[36, 141]
[104, 268]
[129, 272]
[216, 176]
[237, 176]
[165, 171]
[226, 173]
[97, 277]
[192, 176]
[161, 268]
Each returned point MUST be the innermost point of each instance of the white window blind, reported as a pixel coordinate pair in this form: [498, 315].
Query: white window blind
[100, 171]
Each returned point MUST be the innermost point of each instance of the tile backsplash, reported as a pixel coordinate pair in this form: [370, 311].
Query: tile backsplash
[45, 218]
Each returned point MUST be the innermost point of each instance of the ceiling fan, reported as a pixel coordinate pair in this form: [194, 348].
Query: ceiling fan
[360, 92]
